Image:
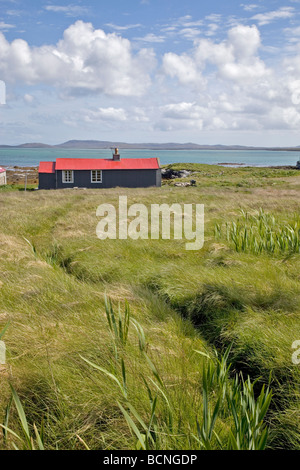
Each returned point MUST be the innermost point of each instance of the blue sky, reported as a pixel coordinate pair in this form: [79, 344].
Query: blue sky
[151, 71]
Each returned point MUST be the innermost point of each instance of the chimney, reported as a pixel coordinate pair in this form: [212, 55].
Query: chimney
[116, 155]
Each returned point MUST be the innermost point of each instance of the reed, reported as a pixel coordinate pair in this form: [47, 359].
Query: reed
[221, 396]
[261, 233]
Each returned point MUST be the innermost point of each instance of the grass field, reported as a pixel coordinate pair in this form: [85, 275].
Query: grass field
[150, 387]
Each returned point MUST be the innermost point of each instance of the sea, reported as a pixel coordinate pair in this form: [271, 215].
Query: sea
[257, 158]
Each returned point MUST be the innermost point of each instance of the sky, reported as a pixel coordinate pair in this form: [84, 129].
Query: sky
[213, 72]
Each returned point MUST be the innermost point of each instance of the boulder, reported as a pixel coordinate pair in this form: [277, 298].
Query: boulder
[183, 185]
[168, 173]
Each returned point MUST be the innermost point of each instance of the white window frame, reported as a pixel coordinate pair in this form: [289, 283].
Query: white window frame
[67, 176]
[98, 178]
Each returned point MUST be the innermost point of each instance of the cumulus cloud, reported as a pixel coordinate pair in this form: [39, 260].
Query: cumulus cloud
[85, 60]
[239, 92]
[294, 87]
[183, 110]
[189, 115]
[216, 85]
[236, 58]
[292, 67]
[183, 67]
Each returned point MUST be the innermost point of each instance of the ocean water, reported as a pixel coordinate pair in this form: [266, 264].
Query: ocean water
[32, 157]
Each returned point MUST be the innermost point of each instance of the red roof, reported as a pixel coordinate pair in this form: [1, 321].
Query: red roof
[99, 164]
[2, 170]
[47, 167]
[104, 164]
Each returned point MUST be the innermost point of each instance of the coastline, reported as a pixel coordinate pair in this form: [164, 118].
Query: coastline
[17, 174]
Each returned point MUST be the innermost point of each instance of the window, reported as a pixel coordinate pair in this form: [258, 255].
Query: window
[96, 176]
[68, 176]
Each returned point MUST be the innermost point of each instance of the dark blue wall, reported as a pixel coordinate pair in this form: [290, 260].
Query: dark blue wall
[110, 179]
[47, 181]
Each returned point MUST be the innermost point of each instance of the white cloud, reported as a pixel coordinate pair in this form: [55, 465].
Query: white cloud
[188, 22]
[189, 33]
[150, 37]
[216, 85]
[249, 7]
[187, 115]
[212, 29]
[182, 67]
[5, 26]
[294, 87]
[236, 58]
[85, 60]
[69, 10]
[29, 99]
[215, 17]
[268, 17]
[241, 92]
[14, 12]
[183, 110]
[292, 34]
[123, 28]
[110, 114]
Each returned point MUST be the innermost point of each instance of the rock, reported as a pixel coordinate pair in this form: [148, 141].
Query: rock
[168, 173]
[182, 184]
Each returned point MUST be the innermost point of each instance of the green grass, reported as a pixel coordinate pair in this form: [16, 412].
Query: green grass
[261, 232]
[18, 187]
[55, 274]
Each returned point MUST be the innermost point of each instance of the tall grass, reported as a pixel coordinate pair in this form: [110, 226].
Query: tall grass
[26, 440]
[222, 397]
[52, 291]
[261, 233]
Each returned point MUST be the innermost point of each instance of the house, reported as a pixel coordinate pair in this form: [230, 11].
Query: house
[100, 173]
[2, 176]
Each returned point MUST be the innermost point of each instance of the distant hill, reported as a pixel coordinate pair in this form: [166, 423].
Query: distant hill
[34, 145]
[97, 144]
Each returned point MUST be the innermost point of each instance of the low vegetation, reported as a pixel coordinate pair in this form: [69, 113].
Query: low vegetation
[199, 355]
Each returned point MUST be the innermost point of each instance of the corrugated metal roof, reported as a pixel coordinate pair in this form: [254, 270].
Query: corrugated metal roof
[104, 164]
[2, 170]
[47, 167]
